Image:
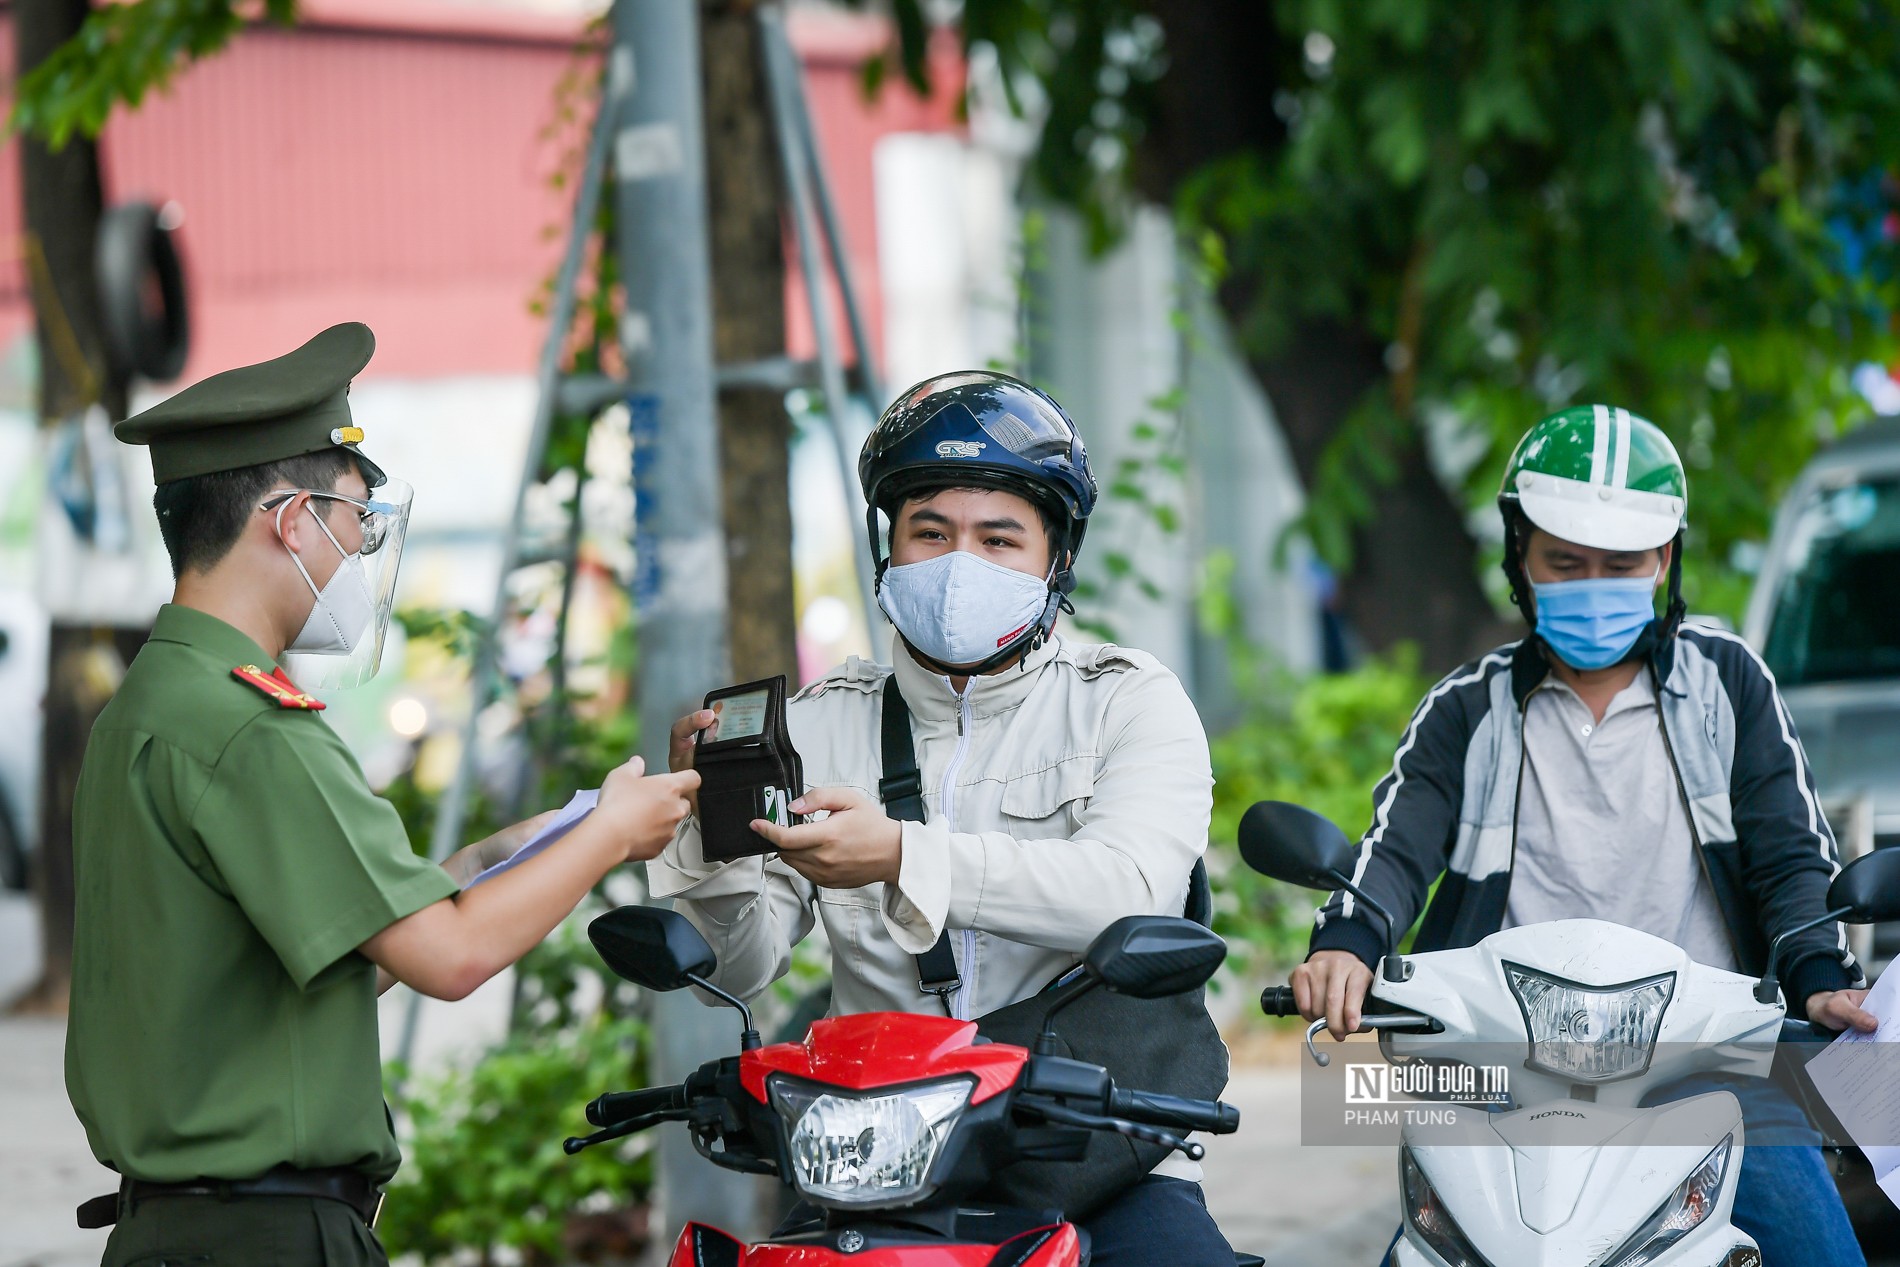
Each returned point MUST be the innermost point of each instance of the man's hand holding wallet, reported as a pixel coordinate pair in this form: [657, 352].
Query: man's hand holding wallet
[752, 799]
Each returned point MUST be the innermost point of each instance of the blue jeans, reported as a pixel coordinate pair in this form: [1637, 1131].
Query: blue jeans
[1159, 1220]
[1784, 1197]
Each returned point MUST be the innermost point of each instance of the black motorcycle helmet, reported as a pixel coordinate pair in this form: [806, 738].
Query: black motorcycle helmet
[979, 429]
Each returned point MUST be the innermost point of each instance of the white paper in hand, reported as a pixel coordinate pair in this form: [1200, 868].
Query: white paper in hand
[562, 823]
[1855, 1075]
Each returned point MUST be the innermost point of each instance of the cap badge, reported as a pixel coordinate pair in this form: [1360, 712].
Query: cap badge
[346, 435]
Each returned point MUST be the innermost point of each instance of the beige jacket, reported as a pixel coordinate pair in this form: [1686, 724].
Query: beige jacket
[1059, 798]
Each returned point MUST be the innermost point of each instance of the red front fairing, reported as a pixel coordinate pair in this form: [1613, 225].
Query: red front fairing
[701, 1246]
[882, 1049]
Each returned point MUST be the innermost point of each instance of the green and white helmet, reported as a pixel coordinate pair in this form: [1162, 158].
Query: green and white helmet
[1598, 476]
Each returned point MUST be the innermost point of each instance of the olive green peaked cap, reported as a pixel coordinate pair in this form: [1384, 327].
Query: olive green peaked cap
[283, 408]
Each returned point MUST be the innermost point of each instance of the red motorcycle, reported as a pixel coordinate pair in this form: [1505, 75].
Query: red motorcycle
[886, 1122]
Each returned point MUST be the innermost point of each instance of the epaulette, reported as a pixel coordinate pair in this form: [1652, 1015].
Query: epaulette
[277, 686]
[856, 673]
[1094, 660]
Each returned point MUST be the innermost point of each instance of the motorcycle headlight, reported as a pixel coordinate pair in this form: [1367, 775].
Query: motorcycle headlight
[866, 1148]
[1590, 1033]
[1432, 1221]
[1692, 1202]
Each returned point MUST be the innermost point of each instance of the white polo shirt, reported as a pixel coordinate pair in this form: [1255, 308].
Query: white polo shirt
[1602, 832]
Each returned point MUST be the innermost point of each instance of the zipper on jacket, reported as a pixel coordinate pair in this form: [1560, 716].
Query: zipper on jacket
[1695, 833]
[960, 1005]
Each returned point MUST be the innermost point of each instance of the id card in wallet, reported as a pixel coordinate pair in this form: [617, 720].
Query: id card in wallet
[747, 769]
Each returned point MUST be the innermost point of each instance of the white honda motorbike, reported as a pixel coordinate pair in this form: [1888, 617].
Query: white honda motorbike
[1539, 1043]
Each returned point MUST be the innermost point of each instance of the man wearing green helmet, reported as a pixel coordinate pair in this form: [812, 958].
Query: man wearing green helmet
[1620, 765]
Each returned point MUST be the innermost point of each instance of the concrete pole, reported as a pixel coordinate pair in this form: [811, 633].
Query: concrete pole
[659, 161]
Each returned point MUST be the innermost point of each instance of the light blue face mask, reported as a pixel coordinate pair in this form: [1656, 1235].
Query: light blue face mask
[1592, 624]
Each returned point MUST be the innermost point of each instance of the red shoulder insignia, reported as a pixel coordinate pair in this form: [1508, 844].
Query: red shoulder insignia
[277, 686]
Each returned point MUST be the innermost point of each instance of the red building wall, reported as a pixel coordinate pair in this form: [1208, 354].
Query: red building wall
[391, 163]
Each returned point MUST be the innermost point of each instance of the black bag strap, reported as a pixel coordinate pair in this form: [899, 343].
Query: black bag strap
[1200, 896]
[902, 787]
[902, 790]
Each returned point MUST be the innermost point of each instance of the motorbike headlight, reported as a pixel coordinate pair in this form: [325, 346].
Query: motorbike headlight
[1692, 1202]
[1590, 1033]
[866, 1148]
[1429, 1217]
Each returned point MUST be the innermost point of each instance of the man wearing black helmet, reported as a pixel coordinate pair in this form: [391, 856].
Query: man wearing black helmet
[1059, 788]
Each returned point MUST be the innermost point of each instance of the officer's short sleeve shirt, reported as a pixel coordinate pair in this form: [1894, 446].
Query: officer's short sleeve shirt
[229, 857]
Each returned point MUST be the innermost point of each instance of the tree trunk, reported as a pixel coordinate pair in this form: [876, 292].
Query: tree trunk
[1414, 570]
[748, 281]
[63, 199]
[1414, 566]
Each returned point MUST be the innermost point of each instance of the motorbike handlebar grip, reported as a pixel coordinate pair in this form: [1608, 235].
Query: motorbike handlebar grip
[616, 1107]
[1277, 1000]
[1173, 1110]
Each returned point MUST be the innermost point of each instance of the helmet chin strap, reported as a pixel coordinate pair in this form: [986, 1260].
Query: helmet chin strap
[1658, 631]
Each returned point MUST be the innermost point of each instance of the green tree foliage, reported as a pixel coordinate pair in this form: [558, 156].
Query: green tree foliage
[1322, 741]
[123, 52]
[1511, 205]
[485, 1169]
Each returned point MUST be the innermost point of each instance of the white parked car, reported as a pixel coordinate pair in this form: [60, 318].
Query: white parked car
[1824, 616]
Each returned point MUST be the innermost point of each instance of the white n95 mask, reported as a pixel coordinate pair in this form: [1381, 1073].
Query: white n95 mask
[342, 615]
[959, 608]
[344, 610]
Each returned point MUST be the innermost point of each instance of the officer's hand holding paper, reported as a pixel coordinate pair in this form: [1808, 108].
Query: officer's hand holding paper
[566, 820]
[748, 770]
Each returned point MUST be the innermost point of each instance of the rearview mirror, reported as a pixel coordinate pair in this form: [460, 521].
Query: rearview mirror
[1292, 844]
[1868, 888]
[651, 947]
[1153, 956]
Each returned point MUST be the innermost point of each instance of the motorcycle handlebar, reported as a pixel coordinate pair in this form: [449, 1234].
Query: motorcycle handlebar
[616, 1107]
[1277, 1000]
[1173, 1110]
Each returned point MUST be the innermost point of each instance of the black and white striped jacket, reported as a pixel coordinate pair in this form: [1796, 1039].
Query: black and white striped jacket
[1449, 807]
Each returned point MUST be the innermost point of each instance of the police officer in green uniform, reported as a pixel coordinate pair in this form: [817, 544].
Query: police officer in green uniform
[242, 895]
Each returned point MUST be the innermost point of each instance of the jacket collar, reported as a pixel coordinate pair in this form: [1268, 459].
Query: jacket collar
[928, 694]
[205, 632]
[1529, 668]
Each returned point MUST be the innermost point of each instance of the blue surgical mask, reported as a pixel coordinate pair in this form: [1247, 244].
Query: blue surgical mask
[1592, 624]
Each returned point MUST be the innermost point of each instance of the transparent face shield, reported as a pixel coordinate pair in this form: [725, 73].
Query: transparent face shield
[382, 522]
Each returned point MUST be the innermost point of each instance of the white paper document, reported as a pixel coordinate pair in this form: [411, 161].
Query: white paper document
[1859, 1077]
[562, 823]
